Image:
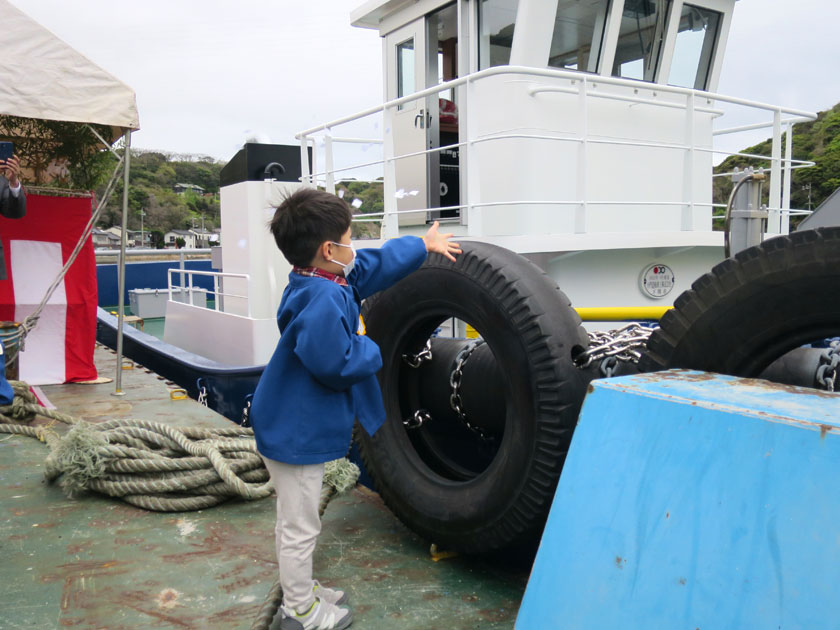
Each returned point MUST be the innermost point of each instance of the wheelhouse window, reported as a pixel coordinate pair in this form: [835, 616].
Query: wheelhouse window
[405, 69]
[642, 31]
[578, 34]
[496, 21]
[693, 51]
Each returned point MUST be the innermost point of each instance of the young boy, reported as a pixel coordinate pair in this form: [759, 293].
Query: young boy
[321, 377]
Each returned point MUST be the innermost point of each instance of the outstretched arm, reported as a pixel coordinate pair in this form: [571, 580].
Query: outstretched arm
[378, 269]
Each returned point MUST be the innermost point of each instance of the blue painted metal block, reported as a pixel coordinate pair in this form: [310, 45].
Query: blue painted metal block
[692, 500]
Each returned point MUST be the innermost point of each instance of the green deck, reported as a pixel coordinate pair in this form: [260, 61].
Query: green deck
[95, 562]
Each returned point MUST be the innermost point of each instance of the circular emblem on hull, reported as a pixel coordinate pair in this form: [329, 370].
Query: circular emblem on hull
[657, 280]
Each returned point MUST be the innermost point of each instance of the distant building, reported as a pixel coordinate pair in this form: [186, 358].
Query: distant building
[103, 239]
[182, 188]
[135, 236]
[189, 237]
[204, 238]
[111, 237]
[827, 214]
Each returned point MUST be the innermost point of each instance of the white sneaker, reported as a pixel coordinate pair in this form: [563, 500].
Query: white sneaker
[321, 616]
[332, 595]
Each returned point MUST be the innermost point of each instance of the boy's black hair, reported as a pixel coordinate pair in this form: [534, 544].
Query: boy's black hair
[304, 220]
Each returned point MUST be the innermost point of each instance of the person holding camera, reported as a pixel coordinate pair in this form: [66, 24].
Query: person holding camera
[13, 206]
[12, 197]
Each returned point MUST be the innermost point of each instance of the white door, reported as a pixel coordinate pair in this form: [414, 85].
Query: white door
[406, 74]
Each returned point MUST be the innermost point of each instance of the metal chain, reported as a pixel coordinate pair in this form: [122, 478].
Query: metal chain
[420, 417]
[625, 344]
[829, 363]
[202, 392]
[416, 360]
[245, 420]
[455, 383]
[608, 367]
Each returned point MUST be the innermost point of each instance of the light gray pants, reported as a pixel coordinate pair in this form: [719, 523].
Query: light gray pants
[298, 525]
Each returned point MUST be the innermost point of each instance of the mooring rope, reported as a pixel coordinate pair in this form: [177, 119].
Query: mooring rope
[159, 467]
[151, 465]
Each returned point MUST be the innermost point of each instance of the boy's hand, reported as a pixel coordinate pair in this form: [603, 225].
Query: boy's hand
[440, 243]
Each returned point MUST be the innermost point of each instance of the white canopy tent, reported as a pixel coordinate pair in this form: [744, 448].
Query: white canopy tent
[44, 78]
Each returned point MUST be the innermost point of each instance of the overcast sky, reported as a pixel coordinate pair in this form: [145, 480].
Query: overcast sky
[208, 73]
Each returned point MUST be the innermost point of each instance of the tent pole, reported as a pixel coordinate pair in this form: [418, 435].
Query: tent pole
[121, 277]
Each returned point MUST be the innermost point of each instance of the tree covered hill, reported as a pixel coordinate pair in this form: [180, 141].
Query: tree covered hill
[153, 177]
[815, 141]
[151, 190]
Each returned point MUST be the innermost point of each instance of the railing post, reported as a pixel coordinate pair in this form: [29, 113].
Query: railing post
[328, 163]
[774, 224]
[215, 292]
[583, 159]
[248, 297]
[390, 218]
[687, 210]
[190, 276]
[474, 218]
[304, 160]
[787, 177]
[182, 266]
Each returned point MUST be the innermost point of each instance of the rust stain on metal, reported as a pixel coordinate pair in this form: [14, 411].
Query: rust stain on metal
[235, 614]
[138, 601]
[825, 428]
[245, 582]
[168, 598]
[620, 562]
[495, 614]
[85, 568]
[667, 515]
[220, 541]
[681, 375]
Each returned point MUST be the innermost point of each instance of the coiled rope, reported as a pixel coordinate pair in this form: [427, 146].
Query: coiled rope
[152, 465]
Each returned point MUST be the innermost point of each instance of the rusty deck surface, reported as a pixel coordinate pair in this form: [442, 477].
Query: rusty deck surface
[95, 563]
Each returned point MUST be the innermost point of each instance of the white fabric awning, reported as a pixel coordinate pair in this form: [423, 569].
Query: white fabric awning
[43, 77]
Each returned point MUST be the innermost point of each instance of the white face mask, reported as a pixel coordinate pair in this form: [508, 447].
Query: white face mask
[348, 267]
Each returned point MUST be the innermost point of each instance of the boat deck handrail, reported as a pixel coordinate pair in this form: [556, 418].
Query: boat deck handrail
[586, 86]
[217, 292]
[561, 74]
[145, 253]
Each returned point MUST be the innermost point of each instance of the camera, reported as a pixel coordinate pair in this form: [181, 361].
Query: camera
[7, 150]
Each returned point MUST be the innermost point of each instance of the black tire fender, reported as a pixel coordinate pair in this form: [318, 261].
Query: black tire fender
[752, 309]
[534, 335]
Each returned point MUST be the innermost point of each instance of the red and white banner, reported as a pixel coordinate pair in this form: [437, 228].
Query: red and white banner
[60, 348]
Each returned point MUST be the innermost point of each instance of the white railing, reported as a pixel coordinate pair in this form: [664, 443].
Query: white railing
[148, 253]
[217, 291]
[585, 86]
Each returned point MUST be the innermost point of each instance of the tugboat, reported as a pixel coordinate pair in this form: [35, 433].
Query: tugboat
[567, 144]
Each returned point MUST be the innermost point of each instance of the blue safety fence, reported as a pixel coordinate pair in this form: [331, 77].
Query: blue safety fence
[145, 275]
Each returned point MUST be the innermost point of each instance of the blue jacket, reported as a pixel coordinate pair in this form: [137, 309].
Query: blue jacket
[322, 374]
